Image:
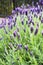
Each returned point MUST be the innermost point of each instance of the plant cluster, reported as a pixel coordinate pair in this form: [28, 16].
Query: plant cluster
[21, 37]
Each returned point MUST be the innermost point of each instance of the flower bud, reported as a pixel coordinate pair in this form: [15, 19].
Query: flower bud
[31, 29]
[15, 33]
[36, 31]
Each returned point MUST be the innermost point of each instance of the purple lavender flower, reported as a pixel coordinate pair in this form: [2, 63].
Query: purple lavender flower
[1, 26]
[13, 12]
[4, 22]
[35, 9]
[17, 9]
[20, 10]
[36, 4]
[31, 9]
[26, 11]
[38, 9]
[31, 29]
[32, 22]
[41, 2]
[10, 20]
[41, 9]
[36, 31]
[15, 33]
[9, 23]
[22, 22]
[10, 17]
[19, 46]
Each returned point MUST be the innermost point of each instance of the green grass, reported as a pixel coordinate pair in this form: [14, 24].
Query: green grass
[10, 55]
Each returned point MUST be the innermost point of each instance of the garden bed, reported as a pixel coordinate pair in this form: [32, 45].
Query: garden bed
[21, 37]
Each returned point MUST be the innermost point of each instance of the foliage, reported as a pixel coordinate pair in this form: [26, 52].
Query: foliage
[26, 49]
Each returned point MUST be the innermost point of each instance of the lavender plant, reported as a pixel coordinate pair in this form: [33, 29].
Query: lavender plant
[21, 37]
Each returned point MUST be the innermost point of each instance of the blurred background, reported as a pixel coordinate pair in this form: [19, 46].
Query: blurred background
[6, 6]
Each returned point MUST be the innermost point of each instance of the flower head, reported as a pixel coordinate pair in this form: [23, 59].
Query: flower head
[15, 33]
[19, 46]
[36, 31]
[31, 28]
